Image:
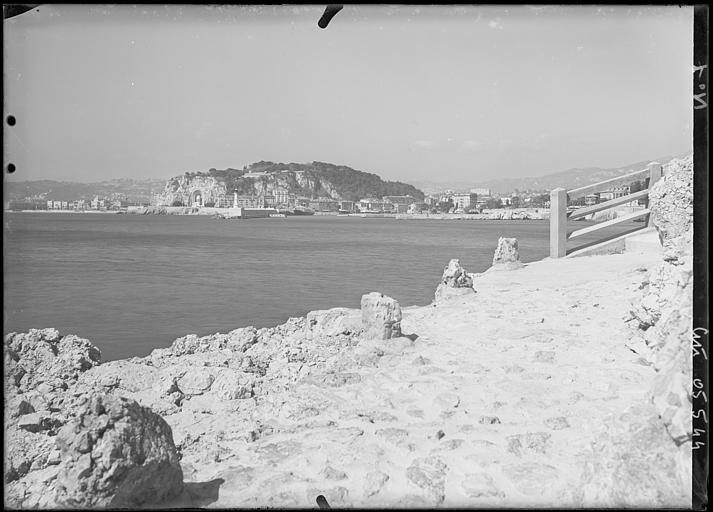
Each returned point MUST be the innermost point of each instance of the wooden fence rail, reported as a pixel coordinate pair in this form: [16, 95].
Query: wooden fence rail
[559, 198]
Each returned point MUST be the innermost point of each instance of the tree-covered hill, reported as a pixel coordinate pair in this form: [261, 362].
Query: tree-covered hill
[349, 183]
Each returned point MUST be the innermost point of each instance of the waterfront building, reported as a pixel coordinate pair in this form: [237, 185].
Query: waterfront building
[222, 202]
[375, 205]
[591, 199]
[324, 204]
[614, 193]
[464, 201]
[282, 196]
[346, 206]
[400, 199]
[417, 207]
[268, 201]
[245, 201]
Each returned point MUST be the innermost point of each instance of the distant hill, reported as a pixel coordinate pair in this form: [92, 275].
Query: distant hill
[139, 191]
[569, 179]
[312, 180]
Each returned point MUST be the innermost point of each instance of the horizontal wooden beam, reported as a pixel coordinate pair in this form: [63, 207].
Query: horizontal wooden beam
[583, 212]
[608, 223]
[602, 185]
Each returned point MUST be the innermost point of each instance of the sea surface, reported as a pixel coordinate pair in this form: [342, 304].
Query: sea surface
[132, 283]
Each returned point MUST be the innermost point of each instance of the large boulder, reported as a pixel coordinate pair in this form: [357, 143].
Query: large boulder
[507, 256]
[380, 316]
[671, 200]
[41, 369]
[116, 453]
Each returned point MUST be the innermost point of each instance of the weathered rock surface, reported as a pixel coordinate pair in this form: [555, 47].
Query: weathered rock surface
[380, 316]
[507, 256]
[671, 200]
[40, 367]
[429, 473]
[43, 357]
[632, 443]
[455, 276]
[455, 282]
[333, 322]
[116, 453]
[662, 315]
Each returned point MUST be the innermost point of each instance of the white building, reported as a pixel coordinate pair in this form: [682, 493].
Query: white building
[464, 201]
[614, 193]
[256, 174]
[482, 192]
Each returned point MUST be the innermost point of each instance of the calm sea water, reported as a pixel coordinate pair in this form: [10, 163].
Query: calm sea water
[134, 283]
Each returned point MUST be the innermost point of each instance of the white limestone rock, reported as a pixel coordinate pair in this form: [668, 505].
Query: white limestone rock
[507, 256]
[380, 316]
[333, 322]
[671, 200]
[116, 453]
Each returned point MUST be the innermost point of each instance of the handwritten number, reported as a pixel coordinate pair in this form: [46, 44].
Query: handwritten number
[701, 103]
[698, 413]
[698, 393]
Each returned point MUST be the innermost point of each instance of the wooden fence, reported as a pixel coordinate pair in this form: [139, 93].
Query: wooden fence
[559, 214]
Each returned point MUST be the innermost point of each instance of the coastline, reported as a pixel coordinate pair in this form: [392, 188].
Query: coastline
[495, 374]
[562, 382]
[498, 214]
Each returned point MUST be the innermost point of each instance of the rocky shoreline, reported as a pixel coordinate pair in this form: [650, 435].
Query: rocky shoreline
[554, 383]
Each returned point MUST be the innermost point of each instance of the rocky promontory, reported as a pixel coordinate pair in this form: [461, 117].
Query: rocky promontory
[556, 383]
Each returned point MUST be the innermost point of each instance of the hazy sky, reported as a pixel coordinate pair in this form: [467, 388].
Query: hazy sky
[411, 93]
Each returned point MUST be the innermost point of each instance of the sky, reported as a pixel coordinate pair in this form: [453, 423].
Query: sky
[435, 93]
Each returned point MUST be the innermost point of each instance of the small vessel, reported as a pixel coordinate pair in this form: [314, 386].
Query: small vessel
[299, 210]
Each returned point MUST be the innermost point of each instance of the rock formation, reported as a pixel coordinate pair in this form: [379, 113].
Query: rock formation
[42, 359]
[671, 200]
[663, 315]
[455, 282]
[333, 322]
[506, 255]
[116, 453]
[69, 442]
[380, 316]
[182, 189]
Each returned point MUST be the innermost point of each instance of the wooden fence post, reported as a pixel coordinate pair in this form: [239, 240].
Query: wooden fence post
[655, 170]
[558, 223]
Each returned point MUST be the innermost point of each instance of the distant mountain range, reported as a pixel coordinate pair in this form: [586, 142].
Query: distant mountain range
[139, 191]
[316, 178]
[569, 179]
